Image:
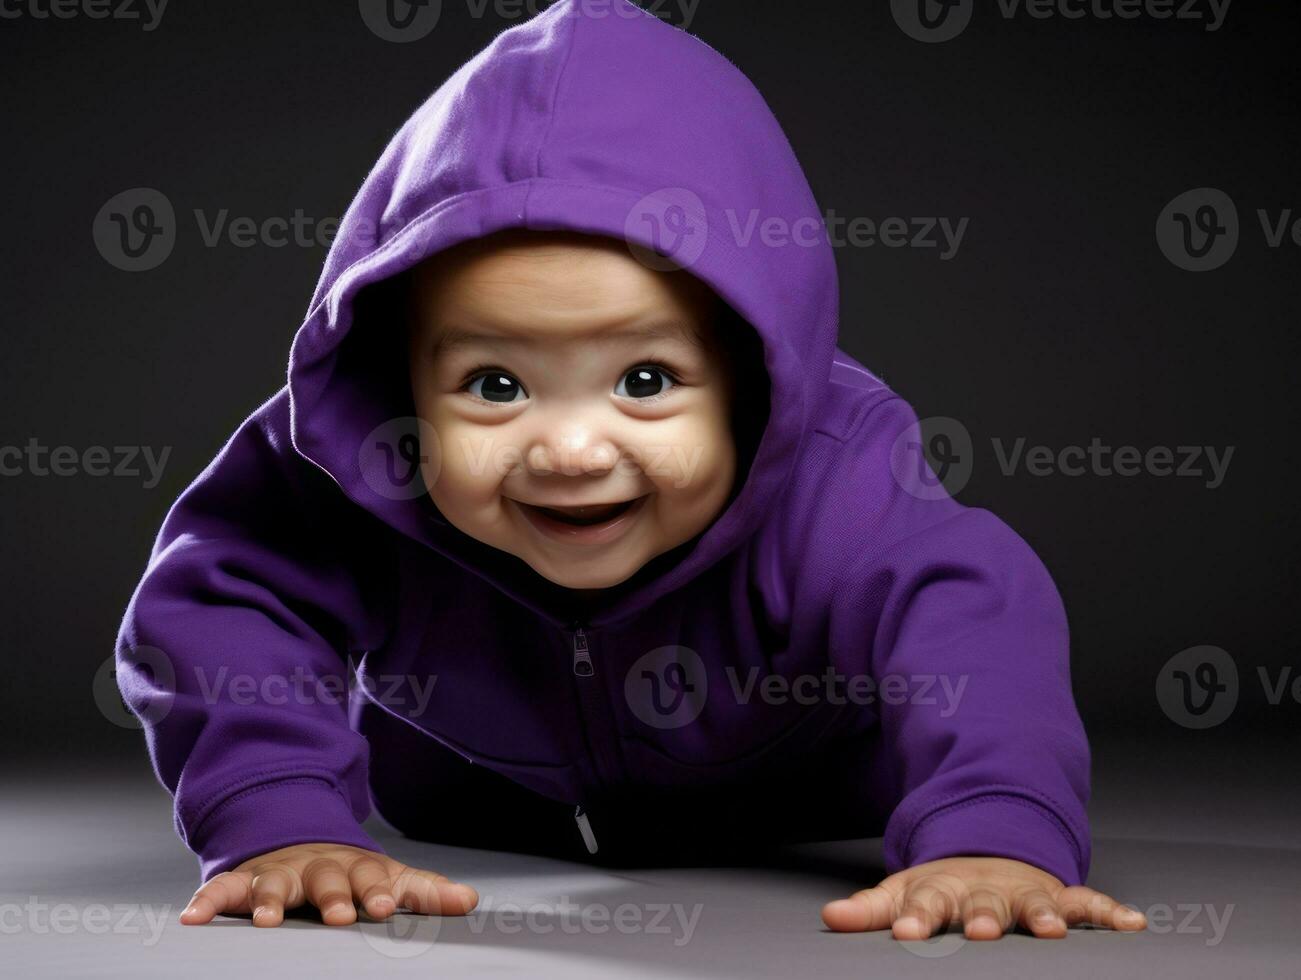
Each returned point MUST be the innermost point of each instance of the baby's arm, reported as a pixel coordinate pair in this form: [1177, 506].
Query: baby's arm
[232, 653]
[982, 760]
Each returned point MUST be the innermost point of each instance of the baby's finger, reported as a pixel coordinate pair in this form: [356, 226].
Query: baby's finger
[1080, 903]
[370, 887]
[1037, 911]
[226, 892]
[871, 908]
[273, 886]
[927, 904]
[985, 914]
[430, 893]
[327, 887]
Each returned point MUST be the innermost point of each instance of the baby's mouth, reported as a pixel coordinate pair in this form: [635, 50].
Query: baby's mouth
[584, 516]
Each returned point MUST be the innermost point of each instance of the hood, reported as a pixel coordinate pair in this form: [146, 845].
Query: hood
[596, 118]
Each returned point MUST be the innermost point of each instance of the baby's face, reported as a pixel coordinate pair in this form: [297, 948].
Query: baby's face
[580, 399]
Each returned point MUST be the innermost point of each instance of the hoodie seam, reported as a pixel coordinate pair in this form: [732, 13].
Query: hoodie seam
[863, 407]
[449, 202]
[1033, 800]
[555, 102]
[216, 803]
[872, 401]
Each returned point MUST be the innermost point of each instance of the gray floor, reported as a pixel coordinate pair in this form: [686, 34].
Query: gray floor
[1205, 841]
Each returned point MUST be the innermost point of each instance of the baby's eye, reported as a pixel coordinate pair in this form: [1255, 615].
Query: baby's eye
[643, 382]
[495, 386]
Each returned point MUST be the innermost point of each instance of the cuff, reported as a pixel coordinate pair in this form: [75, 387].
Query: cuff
[995, 826]
[272, 815]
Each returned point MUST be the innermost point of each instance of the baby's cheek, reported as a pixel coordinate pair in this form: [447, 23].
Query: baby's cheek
[468, 467]
[694, 459]
[475, 454]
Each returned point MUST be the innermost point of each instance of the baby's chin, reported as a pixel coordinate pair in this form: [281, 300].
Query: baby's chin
[585, 577]
[588, 591]
[589, 576]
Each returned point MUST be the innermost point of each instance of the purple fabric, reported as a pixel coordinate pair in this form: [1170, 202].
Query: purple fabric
[290, 556]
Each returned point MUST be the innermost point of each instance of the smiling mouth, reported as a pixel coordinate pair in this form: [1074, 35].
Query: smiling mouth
[583, 516]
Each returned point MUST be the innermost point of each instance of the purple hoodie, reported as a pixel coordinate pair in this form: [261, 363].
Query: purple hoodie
[305, 546]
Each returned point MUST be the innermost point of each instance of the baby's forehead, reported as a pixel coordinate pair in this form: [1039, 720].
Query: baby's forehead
[523, 282]
[523, 248]
[672, 336]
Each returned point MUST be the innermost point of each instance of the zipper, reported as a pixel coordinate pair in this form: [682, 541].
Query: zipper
[592, 707]
[596, 725]
[585, 829]
[582, 654]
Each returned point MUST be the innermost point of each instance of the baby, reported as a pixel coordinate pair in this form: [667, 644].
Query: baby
[570, 468]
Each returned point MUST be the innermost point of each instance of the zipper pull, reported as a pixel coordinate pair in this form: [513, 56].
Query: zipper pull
[585, 828]
[582, 658]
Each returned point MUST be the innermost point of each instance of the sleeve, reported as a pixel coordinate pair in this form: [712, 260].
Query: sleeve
[233, 654]
[980, 748]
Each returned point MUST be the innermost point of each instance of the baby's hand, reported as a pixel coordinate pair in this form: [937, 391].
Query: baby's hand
[331, 877]
[987, 894]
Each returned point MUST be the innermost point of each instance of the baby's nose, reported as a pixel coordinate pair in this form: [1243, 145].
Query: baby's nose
[574, 450]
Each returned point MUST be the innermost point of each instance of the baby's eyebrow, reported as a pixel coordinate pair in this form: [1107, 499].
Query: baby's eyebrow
[454, 338]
